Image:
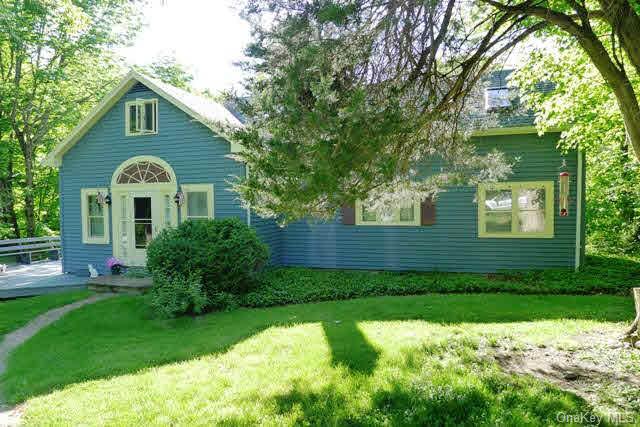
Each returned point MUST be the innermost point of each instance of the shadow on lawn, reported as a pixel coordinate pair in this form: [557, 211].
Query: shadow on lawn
[349, 347]
[429, 392]
[117, 336]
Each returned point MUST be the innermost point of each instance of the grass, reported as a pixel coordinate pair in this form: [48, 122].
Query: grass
[18, 312]
[372, 361]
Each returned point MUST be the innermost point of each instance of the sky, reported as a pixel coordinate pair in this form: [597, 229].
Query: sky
[207, 36]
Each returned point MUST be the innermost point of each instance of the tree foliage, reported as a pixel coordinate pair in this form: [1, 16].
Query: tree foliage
[585, 107]
[346, 97]
[608, 32]
[55, 61]
[168, 69]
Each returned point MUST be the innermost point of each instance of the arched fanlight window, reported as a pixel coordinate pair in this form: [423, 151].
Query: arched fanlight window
[144, 172]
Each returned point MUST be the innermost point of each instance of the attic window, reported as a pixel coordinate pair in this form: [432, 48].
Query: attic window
[141, 117]
[496, 98]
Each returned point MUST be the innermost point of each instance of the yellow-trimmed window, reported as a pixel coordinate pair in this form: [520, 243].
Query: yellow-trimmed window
[95, 217]
[402, 215]
[198, 201]
[516, 209]
[141, 117]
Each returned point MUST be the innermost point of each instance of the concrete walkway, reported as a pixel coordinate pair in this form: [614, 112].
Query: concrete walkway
[11, 416]
[36, 279]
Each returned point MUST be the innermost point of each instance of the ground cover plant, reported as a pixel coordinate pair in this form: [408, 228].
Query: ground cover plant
[371, 361]
[601, 274]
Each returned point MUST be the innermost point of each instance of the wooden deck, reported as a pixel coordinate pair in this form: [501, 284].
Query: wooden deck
[37, 279]
[121, 284]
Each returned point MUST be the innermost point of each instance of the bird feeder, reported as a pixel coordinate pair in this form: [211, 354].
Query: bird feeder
[564, 193]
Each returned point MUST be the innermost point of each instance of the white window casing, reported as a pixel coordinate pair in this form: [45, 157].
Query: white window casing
[144, 113]
[195, 198]
[92, 216]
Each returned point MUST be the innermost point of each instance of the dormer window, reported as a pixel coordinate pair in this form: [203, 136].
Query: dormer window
[497, 98]
[141, 117]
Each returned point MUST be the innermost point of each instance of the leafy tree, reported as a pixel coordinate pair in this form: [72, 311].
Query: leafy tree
[169, 70]
[585, 107]
[608, 31]
[346, 97]
[55, 60]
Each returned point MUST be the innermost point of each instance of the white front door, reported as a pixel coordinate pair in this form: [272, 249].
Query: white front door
[138, 216]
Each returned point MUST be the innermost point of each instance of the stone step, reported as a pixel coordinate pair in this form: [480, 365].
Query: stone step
[119, 284]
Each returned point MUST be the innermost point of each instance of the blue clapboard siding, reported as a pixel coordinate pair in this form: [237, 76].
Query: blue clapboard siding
[452, 243]
[199, 156]
[270, 233]
[193, 151]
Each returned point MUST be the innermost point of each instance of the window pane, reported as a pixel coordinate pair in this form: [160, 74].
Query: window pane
[197, 204]
[132, 118]
[531, 210]
[142, 207]
[497, 98]
[149, 117]
[368, 215]
[498, 200]
[498, 222]
[95, 208]
[96, 227]
[406, 214]
[142, 233]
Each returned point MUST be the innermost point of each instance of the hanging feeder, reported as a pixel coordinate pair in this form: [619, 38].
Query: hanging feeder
[563, 179]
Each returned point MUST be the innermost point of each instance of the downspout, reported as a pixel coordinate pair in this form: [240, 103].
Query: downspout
[579, 196]
[246, 175]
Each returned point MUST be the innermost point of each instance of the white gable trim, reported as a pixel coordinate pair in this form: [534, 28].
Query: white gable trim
[54, 158]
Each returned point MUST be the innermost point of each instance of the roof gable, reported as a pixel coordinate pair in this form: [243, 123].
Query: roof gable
[208, 112]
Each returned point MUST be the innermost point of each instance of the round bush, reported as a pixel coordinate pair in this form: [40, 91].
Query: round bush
[226, 253]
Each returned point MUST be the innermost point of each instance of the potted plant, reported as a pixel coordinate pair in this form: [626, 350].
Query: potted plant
[115, 265]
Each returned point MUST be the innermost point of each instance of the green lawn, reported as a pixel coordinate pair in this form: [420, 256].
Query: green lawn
[17, 312]
[373, 361]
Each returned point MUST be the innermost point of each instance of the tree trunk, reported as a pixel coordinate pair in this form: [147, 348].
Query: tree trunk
[7, 199]
[29, 201]
[632, 335]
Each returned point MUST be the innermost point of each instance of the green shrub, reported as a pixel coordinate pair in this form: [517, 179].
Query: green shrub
[175, 295]
[227, 255]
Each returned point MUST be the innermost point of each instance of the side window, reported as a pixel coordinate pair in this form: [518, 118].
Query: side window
[409, 214]
[141, 117]
[95, 216]
[198, 201]
[516, 209]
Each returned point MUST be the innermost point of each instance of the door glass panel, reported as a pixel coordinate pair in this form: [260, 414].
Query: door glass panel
[167, 210]
[124, 226]
[197, 204]
[142, 221]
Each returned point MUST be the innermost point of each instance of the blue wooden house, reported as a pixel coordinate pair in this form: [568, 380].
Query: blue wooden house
[148, 157]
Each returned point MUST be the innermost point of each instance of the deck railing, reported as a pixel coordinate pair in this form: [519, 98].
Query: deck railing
[24, 248]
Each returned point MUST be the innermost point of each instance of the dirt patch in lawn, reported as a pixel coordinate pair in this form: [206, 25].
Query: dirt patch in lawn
[599, 368]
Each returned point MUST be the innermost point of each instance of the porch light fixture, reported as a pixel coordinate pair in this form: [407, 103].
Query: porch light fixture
[104, 199]
[179, 198]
